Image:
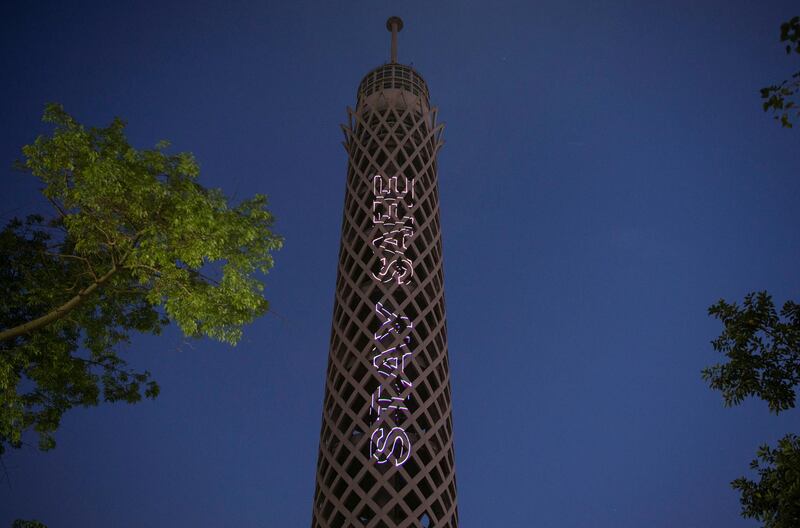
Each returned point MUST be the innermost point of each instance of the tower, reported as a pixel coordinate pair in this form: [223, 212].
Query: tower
[386, 445]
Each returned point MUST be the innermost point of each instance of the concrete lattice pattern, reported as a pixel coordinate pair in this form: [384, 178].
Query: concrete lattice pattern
[392, 134]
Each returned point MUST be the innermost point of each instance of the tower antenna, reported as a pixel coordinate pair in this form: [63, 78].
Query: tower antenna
[394, 24]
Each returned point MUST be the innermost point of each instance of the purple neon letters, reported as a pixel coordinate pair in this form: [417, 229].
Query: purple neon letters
[391, 208]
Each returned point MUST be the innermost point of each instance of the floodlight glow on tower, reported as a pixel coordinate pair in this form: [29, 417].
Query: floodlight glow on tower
[386, 445]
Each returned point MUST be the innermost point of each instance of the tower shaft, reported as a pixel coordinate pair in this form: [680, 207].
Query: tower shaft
[386, 447]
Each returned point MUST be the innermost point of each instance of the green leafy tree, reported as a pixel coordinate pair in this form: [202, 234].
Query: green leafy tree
[780, 98]
[775, 498]
[763, 352]
[134, 242]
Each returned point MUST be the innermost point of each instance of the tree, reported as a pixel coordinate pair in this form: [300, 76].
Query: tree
[763, 352]
[134, 242]
[779, 97]
[775, 499]
[19, 523]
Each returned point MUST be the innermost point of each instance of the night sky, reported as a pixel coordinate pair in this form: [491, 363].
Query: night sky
[608, 173]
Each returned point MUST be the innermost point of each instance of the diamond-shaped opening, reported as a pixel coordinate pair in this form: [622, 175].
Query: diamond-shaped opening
[339, 488]
[349, 360]
[445, 466]
[440, 370]
[413, 500]
[436, 444]
[333, 443]
[400, 157]
[346, 392]
[345, 423]
[367, 481]
[423, 393]
[341, 456]
[351, 331]
[337, 383]
[412, 402]
[425, 487]
[365, 515]
[434, 412]
[424, 455]
[371, 385]
[382, 496]
[411, 467]
[361, 343]
[327, 510]
[436, 476]
[446, 499]
[353, 467]
[399, 482]
[363, 312]
[411, 370]
[442, 400]
[438, 511]
[352, 501]
[359, 371]
[357, 432]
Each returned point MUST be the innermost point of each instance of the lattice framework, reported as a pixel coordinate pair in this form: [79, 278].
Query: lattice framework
[392, 132]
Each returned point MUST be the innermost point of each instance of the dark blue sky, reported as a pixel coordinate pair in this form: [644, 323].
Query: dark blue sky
[608, 174]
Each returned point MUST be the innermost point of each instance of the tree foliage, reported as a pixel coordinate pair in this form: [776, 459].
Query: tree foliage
[134, 243]
[19, 523]
[763, 351]
[775, 498]
[780, 98]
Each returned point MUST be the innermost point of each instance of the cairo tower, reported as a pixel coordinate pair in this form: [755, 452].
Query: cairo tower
[386, 444]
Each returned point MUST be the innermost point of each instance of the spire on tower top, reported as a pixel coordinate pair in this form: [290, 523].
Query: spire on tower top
[394, 24]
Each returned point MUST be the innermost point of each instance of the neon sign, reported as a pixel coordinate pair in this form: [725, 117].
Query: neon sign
[391, 214]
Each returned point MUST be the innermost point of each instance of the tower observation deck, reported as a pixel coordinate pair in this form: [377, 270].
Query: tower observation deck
[386, 443]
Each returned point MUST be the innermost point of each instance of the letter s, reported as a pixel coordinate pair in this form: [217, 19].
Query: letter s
[395, 444]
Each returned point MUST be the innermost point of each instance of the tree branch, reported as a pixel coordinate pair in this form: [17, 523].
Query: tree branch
[59, 312]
